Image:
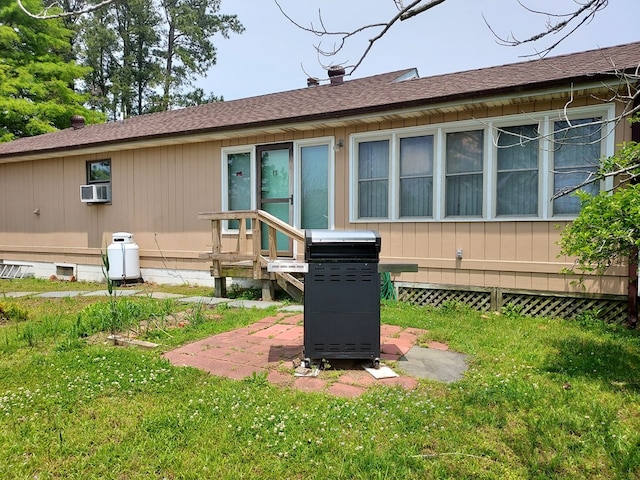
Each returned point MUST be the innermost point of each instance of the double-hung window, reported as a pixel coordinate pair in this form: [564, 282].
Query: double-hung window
[416, 176]
[517, 183]
[576, 156]
[464, 178]
[373, 179]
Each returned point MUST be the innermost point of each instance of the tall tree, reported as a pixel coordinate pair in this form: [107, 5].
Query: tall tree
[146, 53]
[96, 50]
[189, 49]
[138, 72]
[36, 78]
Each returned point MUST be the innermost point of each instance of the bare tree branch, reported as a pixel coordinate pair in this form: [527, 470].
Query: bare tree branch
[570, 22]
[412, 12]
[563, 24]
[45, 13]
[405, 12]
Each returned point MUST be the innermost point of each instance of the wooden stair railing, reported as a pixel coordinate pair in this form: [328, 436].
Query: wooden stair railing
[249, 251]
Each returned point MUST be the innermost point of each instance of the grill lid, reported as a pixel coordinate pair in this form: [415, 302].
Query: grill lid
[341, 236]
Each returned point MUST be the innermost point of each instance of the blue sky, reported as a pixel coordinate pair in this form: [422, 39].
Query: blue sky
[273, 55]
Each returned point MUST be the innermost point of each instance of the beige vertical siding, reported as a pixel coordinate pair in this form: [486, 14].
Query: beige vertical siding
[158, 192]
[156, 195]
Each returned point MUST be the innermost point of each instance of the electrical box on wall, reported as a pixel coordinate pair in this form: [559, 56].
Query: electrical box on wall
[97, 193]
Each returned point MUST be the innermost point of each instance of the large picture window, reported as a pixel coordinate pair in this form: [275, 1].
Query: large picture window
[503, 168]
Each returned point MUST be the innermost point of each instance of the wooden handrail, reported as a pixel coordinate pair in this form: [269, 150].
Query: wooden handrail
[261, 215]
[256, 218]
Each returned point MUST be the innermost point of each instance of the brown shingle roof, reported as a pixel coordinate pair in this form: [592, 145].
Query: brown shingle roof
[366, 95]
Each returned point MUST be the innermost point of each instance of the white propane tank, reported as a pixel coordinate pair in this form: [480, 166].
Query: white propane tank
[124, 257]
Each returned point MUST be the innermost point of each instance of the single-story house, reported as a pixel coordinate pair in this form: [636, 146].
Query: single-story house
[456, 172]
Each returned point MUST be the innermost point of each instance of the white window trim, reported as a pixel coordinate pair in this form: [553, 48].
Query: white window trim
[297, 146]
[354, 140]
[494, 126]
[607, 146]
[545, 183]
[442, 161]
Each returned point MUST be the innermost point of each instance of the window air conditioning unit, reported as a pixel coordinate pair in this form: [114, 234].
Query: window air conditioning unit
[98, 193]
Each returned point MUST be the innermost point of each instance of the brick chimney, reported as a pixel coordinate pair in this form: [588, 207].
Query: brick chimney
[336, 75]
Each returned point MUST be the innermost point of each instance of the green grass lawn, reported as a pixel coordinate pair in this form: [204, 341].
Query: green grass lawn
[543, 398]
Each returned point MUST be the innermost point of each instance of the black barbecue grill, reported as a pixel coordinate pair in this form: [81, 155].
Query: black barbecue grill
[342, 296]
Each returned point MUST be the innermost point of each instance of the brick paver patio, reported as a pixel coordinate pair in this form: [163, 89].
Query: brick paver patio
[274, 343]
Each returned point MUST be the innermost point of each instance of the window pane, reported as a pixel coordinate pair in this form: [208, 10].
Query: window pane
[576, 156]
[465, 154]
[464, 195]
[279, 210]
[275, 174]
[99, 171]
[373, 160]
[416, 156]
[416, 176]
[373, 182]
[315, 186]
[416, 197]
[517, 193]
[373, 199]
[238, 183]
[517, 180]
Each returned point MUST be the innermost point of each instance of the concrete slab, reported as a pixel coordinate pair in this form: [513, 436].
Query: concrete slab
[105, 293]
[161, 295]
[68, 293]
[253, 304]
[292, 308]
[15, 294]
[204, 300]
[435, 364]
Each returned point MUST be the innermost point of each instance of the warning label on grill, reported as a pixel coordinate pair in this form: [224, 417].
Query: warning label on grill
[287, 266]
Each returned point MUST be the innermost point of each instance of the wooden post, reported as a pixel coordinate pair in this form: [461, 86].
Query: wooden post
[242, 236]
[269, 286]
[256, 230]
[219, 282]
